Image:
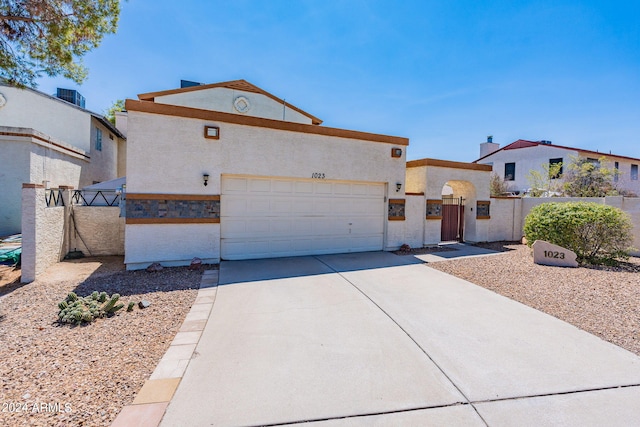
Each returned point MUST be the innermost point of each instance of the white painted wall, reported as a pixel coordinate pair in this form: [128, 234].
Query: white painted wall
[43, 232]
[415, 211]
[470, 184]
[221, 99]
[59, 119]
[56, 124]
[532, 158]
[32, 161]
[508, 215]
[179, 146]
[170, 154]
[632, 207]
[96, 230]
[104, 164]
[173, 244]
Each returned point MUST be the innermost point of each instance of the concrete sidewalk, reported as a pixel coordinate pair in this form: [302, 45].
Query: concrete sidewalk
[375, 339]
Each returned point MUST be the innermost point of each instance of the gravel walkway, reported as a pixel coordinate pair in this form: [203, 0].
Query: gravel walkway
[604, 301]
[90, 371]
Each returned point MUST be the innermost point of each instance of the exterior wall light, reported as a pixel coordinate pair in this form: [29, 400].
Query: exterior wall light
[398, 186]
[396, 152]
[205, 177]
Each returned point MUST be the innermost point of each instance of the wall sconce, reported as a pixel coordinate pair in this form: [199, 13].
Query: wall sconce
[398, 186]
[396, 152]
[205, 177]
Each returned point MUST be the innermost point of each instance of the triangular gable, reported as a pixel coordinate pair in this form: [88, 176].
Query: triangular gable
[242, 85]
[523, 143]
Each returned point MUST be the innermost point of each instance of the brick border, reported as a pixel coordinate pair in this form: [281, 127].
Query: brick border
[152, 400]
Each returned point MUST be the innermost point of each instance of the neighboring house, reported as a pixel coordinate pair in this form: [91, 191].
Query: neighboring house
[44, 139]
[229, 171]
[513, 162]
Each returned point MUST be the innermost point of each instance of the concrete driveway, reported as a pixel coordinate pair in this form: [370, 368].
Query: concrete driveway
[378, 339]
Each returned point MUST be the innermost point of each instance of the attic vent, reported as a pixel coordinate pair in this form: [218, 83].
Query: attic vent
[188, 83]
[71, 96]
[544, 141]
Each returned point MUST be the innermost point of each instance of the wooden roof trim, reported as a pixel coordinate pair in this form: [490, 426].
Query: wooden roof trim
[195, 113]
[449, 164]
[233, 84]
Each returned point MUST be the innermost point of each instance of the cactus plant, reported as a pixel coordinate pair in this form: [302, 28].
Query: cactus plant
[108, 307]
[78, 310]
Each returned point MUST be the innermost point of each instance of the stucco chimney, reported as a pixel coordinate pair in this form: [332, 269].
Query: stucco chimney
[488, 147]
[121, 121]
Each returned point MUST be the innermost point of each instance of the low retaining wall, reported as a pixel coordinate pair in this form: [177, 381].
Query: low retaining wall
[508, 214]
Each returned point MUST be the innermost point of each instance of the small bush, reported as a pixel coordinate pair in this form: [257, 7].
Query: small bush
[598, 234]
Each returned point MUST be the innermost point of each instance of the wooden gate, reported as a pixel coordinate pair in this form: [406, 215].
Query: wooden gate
[452, 219]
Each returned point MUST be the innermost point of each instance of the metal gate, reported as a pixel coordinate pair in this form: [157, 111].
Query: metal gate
[452, 219]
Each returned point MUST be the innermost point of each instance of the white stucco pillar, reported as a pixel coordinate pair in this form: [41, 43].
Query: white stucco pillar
[31, 195]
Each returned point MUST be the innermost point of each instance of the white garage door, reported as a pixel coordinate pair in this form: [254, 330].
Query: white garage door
[275, 217]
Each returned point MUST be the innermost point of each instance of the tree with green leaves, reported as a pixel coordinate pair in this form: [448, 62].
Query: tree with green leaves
[589, 178]
[50, 37]
[547, 181]
[116, 107]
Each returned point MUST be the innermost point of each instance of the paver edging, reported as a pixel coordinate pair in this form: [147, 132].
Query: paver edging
[151, 401]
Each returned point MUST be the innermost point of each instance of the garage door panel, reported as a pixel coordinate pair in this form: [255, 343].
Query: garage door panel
[268, 217]
[259, 185]
[233, 205]
[323, 188]
[233, 185]
[304, 187]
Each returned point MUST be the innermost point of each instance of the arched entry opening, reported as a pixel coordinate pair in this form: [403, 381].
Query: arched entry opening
[458, 199]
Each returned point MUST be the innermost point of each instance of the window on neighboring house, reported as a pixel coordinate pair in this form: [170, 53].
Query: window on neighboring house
[553, 162]
[509, 171]
[595, 162]
[616, 172]
[634, 172]
[98, 139]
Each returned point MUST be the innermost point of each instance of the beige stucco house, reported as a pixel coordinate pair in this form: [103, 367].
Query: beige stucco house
[44, 139]
[455, 197]
[514, 161]
[230, 171]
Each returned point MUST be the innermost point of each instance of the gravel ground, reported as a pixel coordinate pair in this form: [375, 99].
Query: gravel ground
[91, 371]
[604, 301]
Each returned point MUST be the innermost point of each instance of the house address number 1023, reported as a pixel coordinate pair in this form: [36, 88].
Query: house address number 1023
[554, 254]
[317, 175]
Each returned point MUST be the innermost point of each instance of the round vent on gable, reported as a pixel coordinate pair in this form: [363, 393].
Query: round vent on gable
[241, 104]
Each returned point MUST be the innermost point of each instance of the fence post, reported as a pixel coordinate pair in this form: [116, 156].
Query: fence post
[33, 202]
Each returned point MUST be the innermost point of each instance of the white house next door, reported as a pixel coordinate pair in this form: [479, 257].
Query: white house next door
[263, 217]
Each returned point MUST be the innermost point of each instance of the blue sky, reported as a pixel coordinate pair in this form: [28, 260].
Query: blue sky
[443, 73]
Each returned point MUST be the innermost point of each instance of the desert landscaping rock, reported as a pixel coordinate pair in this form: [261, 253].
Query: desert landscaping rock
[96, 369]
[546, 253]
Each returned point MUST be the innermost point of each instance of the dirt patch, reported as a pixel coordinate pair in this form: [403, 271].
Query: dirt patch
[9, 276]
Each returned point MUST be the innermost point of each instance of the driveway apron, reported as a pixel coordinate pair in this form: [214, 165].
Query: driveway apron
[377, 339]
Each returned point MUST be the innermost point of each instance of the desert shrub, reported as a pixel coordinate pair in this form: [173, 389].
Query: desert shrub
[596, 233]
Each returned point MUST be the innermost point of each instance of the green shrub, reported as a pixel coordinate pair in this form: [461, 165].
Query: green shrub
[596, 233]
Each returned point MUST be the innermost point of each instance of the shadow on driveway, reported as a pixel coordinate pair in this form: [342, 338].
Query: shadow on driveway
[281, 268]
